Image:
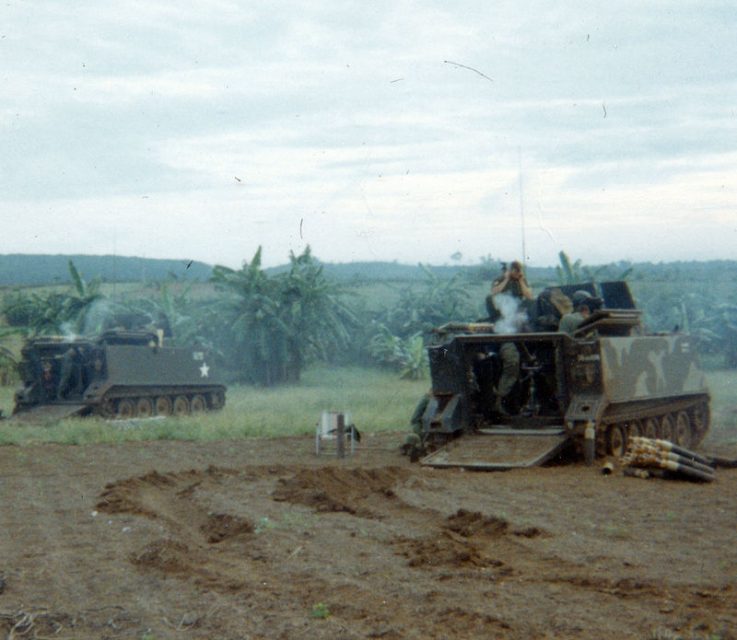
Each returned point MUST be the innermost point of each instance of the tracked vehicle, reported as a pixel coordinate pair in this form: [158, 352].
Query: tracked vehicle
[118, 374]
[593, 390]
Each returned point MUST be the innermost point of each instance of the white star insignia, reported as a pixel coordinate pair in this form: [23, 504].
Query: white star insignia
[204, 370]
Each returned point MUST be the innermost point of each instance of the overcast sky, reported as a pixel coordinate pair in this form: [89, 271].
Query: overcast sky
[404, 131]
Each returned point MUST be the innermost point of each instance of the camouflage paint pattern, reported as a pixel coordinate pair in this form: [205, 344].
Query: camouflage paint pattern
[642, 368]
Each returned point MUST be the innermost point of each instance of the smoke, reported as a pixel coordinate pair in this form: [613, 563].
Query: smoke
[68, 330]
[96, 316]
[514, 317]
[94, 320]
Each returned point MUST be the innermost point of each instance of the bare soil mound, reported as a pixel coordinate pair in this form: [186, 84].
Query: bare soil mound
[348, 490]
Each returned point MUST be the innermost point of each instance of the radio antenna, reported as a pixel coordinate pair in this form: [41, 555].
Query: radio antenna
[115, 255]
[521, 207]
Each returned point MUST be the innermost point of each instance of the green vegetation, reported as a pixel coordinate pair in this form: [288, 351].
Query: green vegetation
[55, 312]
[31, 270]
[617, 532]
[723, 389]
[374, 398]
[271, 326]
[667, 634]
[333, 336]
[320, 610]
[395, 337]
[574, 272]
[264, 524]
[266, 325]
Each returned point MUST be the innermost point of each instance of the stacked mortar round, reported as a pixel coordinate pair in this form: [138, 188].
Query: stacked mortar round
[647, 457]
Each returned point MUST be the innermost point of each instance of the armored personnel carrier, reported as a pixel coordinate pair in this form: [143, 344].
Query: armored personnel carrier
[117, 374]
[607, 382]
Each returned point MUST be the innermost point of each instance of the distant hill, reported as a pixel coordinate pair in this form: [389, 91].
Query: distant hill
[372, 271]
[32, 270]
[41, 269]
[28, 270]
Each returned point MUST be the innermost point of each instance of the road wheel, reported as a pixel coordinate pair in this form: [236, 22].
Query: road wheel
[634, 429]
[108, 409]
[126, 409]
[144, 407]
[601, 442]
[163, 406]
[700, 421]
[668, 427]
[217, 400]
[650, 428]
[181, 406]
[198, 404]
[616, 440]
[682, 435]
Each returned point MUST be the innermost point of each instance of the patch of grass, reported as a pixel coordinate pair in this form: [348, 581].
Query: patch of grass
[320, 610]
[377, 401]
[617, 532]
[667, 634]
[6, 400]
[298, 520]
[265, 524]
[663, 634]
[723, 389]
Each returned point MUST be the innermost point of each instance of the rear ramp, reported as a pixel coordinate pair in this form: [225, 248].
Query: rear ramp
[500, 449]
[47, 413]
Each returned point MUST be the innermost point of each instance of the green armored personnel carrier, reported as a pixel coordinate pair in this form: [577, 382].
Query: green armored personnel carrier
[118, 374]
[595, 389]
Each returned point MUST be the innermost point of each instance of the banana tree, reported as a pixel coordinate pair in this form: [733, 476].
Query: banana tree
[575, 272]
[79, 305]
[252, 331]
[313, 310]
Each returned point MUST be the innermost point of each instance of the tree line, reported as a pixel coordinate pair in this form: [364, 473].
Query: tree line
[45, 269]
[265, 326]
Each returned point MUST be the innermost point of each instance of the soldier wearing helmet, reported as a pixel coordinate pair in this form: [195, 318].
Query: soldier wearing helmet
[583, 304]
[513, 282]
[506, 307]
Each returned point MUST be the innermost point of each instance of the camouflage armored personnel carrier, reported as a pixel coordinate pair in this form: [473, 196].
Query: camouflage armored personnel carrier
[594, 389]
[118, 374]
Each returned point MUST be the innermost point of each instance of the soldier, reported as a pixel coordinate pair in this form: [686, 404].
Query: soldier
[512, 284]
[413, 442]
[48, 380]
[583, 304]
[510, 360]
[92, 367]
[70, 377]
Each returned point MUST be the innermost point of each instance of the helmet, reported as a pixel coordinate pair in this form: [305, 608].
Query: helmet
[580, 298]
[583, 297]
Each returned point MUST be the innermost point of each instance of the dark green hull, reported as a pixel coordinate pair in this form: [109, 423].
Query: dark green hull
[118, 374]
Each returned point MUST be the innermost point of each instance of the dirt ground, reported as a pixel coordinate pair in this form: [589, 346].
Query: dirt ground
[264, 539]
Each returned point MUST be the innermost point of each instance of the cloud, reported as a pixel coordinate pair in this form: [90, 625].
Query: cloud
[235, 125]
